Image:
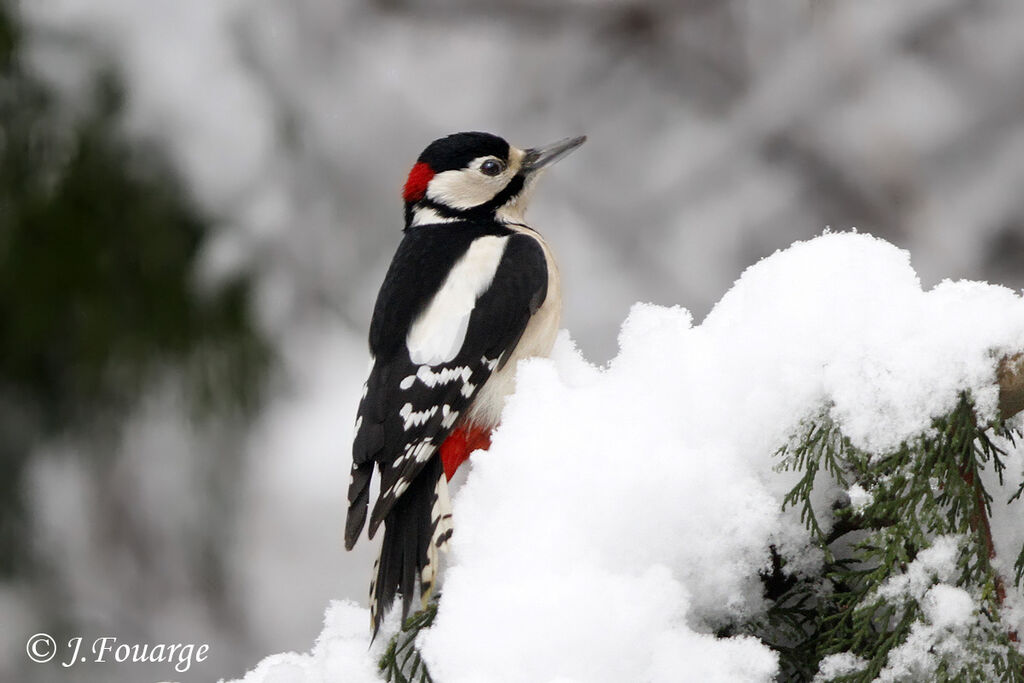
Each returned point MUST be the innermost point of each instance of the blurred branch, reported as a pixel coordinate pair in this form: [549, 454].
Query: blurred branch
[1011, 385]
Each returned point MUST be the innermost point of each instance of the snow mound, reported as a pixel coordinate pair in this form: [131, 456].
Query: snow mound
[623, 514]
[341, 652]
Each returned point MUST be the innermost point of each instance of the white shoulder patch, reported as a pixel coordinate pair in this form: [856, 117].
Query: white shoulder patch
[437, 334]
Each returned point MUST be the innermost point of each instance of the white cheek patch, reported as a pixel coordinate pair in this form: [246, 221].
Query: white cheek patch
[467, 187]
[437, 334]
[464, 188]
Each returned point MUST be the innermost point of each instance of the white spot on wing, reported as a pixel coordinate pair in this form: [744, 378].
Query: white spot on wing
[448, 416]
[414, 418]
[439, 331]
[423, 451]
[444, 375]
[399, 487]
[407, 382]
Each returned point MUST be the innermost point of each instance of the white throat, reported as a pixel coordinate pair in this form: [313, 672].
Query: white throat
[514, 211]
[511, 213]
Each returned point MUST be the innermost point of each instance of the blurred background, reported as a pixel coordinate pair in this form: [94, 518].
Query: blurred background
[198, 200]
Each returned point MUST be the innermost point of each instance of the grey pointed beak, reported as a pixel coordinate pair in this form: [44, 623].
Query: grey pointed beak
[537, 158]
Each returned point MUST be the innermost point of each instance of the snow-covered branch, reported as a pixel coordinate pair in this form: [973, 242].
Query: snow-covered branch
[620, 526]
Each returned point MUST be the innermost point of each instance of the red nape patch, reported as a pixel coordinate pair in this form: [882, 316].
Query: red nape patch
[416, 185]
[456, 448]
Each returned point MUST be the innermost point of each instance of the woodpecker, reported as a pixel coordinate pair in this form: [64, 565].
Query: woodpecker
[472, 289]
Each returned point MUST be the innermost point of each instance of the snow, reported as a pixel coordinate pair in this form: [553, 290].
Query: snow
[934, 564]
[950, 615]
[860, 498]
[342, 649]
[840, 664]
[623, 513]
[948, 606]
[945, 633]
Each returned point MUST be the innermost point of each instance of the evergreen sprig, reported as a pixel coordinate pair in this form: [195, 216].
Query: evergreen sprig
[928, 488]
[401, 661]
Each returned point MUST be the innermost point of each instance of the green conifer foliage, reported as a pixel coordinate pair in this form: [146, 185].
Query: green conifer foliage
[98, 252]
[872, 593]
[402, 661]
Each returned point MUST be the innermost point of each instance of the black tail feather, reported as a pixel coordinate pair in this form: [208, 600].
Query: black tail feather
[405, 550]
[358, 502]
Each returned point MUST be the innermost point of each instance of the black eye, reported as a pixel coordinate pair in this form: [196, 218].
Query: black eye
[492, 167]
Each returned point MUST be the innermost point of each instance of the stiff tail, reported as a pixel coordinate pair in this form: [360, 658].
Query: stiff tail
[358, 501]
[418, 526]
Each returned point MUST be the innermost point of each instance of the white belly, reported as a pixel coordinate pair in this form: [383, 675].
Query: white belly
[537, 340]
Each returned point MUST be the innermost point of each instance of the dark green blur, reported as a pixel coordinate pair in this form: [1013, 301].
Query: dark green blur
[98, 252]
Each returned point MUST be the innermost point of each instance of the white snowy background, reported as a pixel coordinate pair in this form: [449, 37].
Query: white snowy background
[719, 132]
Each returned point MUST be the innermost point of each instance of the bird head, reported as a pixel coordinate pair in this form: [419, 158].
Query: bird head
[476, 176]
